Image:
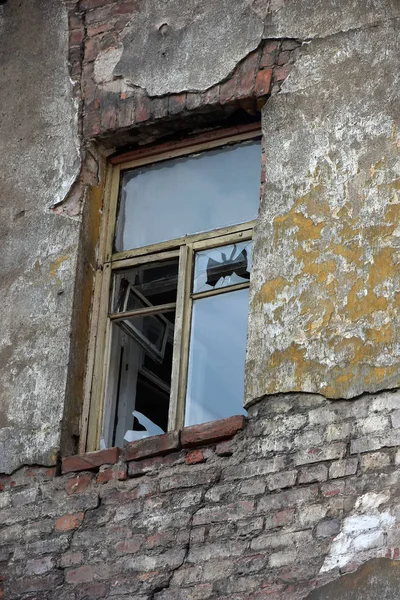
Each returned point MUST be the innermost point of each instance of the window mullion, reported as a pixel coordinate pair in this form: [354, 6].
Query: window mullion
[176, 414]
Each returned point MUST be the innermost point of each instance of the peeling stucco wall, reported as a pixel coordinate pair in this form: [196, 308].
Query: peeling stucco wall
[39, 160]
[324, 312]
[187, 46]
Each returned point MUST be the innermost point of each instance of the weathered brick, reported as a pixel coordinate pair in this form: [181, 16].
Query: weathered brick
[214, 431]
[281, 480]
[395, 419]
[91, 460]
[322, 453]
[328, 528]
[313, 473]
[223, 512]
[130, 545]
[79, 484]
[68, 522]
[71, 559]
[112, 474]
[35, 584]
[152, 446]
[254, 468]
[188, 479]
[280, 539]
[310, 514]
[373, 423]
[38, 566]
[289, 498]
[280, 518]
[194, 457]
[343, 468]
[386, 401]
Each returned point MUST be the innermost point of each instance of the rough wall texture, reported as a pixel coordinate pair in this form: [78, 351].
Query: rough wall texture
[307, 492]
[39, 161]
[325, 289]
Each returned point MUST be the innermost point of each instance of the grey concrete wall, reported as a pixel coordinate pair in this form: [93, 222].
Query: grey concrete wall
[39, 160]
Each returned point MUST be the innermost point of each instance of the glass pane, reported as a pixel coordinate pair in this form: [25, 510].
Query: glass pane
[216, 360]
[222, 267]
[139, 382]
[149, 331]
[189, 195]
[151, 284]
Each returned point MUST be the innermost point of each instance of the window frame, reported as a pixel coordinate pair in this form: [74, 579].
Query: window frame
[184, 248]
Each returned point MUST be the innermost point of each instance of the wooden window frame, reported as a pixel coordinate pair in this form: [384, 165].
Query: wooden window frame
[182, 248]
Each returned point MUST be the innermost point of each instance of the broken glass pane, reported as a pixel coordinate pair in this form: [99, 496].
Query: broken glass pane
[149, 285]
[222, 267]
[188, 195]
[138, 385]
[216, 358]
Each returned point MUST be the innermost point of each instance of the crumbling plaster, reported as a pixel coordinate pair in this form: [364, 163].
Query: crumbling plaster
[39, 160]
[324, 308]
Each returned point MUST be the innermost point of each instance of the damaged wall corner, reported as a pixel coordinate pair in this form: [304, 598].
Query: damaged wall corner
[39, 160]
[325, 286]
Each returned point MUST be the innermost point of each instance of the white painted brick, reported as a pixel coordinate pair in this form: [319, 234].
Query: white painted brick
[395, 418]
[386, 401]
[339, 431]
[318, 454]
[369, 540]
[374, 461]
[342, 468]
[374, 423]
[281, 480]
[312, 514]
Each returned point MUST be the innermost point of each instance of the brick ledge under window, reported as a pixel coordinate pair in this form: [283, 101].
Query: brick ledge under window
[188, 438]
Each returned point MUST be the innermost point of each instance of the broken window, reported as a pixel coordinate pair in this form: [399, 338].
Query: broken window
[179, 276]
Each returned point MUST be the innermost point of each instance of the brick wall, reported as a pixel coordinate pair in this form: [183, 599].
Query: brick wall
[305, 492]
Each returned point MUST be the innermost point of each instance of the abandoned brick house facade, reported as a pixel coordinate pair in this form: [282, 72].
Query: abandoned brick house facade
[105, 104]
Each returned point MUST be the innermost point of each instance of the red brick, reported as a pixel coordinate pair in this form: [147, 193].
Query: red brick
[91, 460]
[281, 73]
[211, 96]
[78, 484]
[247, 75]
[227, 90]
[263, 82]
[111, 474]
[143, 106]
[159, 107]
[194, 456]
[76, 36]
[214, 431]
[68, 522]
[152, 446]
[176, 103]
[193, 100]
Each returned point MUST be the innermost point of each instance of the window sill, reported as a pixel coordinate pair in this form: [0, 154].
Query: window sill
[159, 445]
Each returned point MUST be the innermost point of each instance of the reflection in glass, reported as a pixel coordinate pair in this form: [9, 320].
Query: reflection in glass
[222, 267]
[189, 195]
[151, 284]
[216, 360]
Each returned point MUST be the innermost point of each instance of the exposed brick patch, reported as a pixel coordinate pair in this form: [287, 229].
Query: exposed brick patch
[90, 460]
[98, 27]
[214, 431]
[78, 484]
[152, 446]
[68, 522]
[195, 456]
